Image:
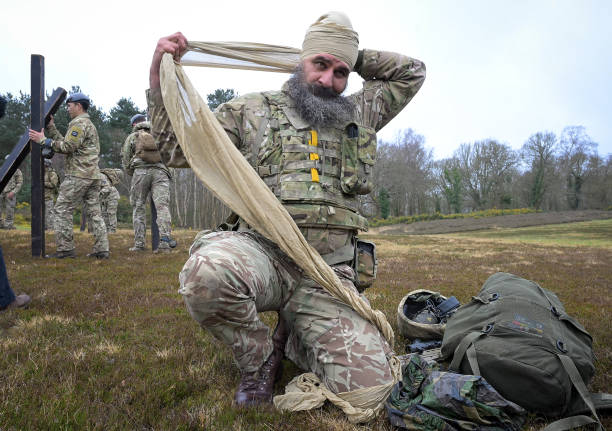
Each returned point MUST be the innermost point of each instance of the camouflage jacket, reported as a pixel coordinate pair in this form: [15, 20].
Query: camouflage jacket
[14, 184]
[278, 143]
[129, 160]
[81, 146]
[51, 184]
[429, 399]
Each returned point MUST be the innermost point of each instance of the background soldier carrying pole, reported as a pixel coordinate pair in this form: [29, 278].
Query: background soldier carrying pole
[82, 181]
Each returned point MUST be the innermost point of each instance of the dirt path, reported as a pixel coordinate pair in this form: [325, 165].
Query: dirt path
[507, 221]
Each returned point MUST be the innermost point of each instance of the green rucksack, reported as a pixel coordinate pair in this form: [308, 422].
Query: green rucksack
[518, 336]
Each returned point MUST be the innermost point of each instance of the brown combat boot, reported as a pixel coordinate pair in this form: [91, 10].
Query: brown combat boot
[257, 388]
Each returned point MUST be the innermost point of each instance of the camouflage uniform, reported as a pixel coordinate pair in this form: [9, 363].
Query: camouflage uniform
[148, 179]
[109, 200]
[7, 205]
[317, 175]
[429, 399]
[51, 190]
[81, 183]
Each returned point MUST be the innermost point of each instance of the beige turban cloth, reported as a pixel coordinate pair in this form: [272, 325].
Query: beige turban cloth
[332, 34]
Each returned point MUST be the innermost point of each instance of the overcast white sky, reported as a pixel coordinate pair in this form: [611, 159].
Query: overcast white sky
[499, 69]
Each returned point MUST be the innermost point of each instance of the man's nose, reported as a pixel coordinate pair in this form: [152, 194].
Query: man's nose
[325, 79]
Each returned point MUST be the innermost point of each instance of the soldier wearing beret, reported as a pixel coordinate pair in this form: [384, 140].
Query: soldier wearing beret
[82, 177]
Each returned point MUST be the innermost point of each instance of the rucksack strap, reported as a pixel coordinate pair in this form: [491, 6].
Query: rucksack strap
[466, 346]
[581, 420]
[571, 423]
[602, 401]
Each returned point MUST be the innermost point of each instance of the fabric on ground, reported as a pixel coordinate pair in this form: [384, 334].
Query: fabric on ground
[306, 392]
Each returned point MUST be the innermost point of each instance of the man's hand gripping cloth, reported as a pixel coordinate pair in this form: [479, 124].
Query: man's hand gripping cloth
[223, 169]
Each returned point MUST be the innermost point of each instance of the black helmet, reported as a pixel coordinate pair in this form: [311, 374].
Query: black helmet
[79, 98]
[137, 119]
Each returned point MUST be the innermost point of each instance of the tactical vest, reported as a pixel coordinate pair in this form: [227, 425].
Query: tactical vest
[316, 174]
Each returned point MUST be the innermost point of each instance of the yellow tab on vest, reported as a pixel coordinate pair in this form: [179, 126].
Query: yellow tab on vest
[314, 156]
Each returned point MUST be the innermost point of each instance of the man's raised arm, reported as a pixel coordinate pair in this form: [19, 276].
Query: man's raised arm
[391, 81]
[161, 128]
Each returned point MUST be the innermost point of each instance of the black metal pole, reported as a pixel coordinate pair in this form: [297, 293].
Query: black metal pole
[37, 116]
[154, 227]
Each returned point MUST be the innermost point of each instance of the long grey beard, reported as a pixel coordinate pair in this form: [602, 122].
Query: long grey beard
[319, 106]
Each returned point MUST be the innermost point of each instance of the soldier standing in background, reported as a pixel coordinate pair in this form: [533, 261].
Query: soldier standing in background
[109, 197]
[82, 179]
[315, 149]
[8, 200]
[141, 160]
[51, 191]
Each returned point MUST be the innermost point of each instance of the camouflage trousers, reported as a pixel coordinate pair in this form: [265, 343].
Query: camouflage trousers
[72, 192]
[231, 276]
[152, 181]
[7, 210]
[108, 205]
[49, 214]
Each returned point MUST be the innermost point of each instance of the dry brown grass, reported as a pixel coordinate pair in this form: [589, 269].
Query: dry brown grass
[109, 344]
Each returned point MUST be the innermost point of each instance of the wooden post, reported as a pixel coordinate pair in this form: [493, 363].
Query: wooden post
[154, 227]
[37, 116]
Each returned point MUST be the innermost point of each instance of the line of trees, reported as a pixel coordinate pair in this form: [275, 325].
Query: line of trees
[549, 172]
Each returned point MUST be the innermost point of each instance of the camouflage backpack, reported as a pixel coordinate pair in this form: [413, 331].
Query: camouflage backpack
[145, 147]
[113, 175]
[519, 337]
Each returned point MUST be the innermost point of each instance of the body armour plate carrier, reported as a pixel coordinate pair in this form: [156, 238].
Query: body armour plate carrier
[317, 174]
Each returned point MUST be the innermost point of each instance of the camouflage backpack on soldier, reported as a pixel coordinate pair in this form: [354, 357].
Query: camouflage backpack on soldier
[146, 150]
[113, 175]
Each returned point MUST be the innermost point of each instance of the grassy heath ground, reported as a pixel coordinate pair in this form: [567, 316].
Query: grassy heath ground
[109, 345]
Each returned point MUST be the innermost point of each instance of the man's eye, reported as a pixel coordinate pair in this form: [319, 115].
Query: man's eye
[341, 73]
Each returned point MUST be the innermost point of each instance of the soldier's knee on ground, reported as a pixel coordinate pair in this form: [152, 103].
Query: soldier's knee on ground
[209, 290]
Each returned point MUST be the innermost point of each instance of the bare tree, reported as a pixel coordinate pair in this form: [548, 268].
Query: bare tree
[576, 149]
[405, 170]
[450, 183]
[539, 154]
[598, 182]
[487, 168]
